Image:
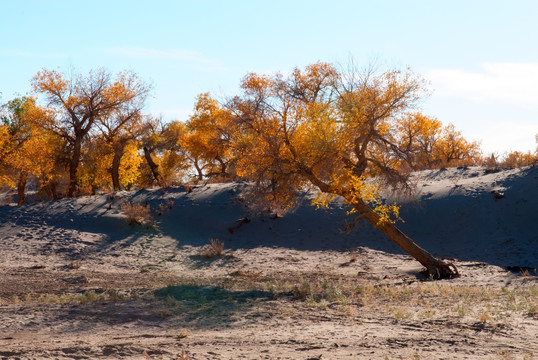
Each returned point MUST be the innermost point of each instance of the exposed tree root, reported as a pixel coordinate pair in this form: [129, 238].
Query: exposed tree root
[442, 270]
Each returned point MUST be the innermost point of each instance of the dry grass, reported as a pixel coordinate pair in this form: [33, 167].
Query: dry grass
[75, 264]
[184, 356]
[440, 304]
[137, 214]
[89, 296]
[476, 304]
[486, 305]
[213, 249]
[482, 307]
[164, 207]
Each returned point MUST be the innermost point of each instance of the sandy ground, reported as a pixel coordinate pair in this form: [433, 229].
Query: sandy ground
[77, 282]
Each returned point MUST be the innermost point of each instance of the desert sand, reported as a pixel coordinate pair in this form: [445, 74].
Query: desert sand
[78, 282]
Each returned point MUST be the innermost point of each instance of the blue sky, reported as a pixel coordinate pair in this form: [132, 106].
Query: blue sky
[480, 57]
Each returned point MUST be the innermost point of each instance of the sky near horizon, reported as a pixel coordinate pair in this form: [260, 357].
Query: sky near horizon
[479, 57]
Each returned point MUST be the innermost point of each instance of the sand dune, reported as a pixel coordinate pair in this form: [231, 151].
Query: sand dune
[487, 222]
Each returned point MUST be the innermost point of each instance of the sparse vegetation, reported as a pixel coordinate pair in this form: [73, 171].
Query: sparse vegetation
[484, 304]
[86, 297]
[75, 264]
[518, 159]
[137, 214]
[164, 207]
[213, 249]
[242, 295]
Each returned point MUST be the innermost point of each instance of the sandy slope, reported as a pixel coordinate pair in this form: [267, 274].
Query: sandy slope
[221, 308]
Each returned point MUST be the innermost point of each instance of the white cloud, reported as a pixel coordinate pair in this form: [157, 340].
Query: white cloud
[172, 114]
[29, 54]
[507, 82]
[196, 58]
[508, 136]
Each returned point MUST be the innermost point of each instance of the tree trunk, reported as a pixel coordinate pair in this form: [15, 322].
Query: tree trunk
[199, 170]
[154, 167]
[21, 187]
[50, 189]
[436, 268]
[115, 169]
[73, 167]
[222, 166]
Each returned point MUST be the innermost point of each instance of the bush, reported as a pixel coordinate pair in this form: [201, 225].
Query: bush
[137, 214]
[215, 248]
[517, 159]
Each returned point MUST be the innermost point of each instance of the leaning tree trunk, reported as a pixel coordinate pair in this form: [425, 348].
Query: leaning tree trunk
[436, 268]
[21, 187]
[199, 170]
[154, 167]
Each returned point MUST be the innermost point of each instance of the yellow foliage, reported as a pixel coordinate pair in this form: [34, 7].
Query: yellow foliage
[26, 147]
[4, 141]
[208, 135]
[130, 165]
[49, 81]
[95, 170]
[323, 200]
[518, 159]
[171, 165]
[318, 127]
[453, 149]
[425, 144]
[82, 103]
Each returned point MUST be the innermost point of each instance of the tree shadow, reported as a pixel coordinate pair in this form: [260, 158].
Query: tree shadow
[475, 224]
[76, 227]
[194, 306]
[199, 261]
[471, 224]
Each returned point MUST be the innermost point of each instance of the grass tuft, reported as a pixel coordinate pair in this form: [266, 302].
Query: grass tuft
[213, 249]
[137, 214]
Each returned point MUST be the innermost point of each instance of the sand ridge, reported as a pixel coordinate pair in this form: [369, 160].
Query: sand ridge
[78, 282]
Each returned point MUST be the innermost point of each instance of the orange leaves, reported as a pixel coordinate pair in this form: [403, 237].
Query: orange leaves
[308, 85]
[49, 81]
[25, 145]
[125, 89]
[332, 129]
[516, 159]
[452, 149]
[92, 95]
[254, 84]
[417, 135]
[207, 140]
[80, 102]
[314, 125]
[316, 141]
[425, 143]
[327, 128]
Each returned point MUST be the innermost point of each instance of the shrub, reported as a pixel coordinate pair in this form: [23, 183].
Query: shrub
[137, 214]
[215, 248]
[164, 207]
[517, 159]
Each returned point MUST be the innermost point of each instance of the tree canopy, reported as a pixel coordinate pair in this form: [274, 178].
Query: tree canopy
[78, 102]
[332, 130]
[345, 133]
